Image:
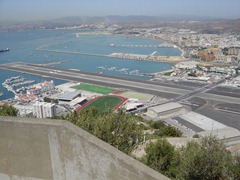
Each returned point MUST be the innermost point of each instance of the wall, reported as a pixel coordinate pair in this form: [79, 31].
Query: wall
[53, 149]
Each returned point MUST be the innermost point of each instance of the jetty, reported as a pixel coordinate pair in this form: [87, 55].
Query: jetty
[151, 57]
[144, 45]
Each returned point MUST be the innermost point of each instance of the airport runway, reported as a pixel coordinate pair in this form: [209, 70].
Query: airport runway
[152, 87]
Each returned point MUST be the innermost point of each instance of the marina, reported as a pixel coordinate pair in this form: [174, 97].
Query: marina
[17, 84]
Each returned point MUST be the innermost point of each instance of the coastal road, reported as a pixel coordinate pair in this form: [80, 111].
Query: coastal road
[157, 88]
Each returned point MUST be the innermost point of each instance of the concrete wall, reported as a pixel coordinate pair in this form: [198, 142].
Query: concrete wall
[52, 149]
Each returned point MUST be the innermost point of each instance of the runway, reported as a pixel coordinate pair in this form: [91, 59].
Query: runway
[164, 90]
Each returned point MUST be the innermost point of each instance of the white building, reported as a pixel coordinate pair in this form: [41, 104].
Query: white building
[38, 110]
[41, 87]
[44, 110]
[49, 110]
[164, 110]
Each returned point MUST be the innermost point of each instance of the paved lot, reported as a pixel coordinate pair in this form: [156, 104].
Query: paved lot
[202, 121]
[196, 103]
[188, 124]
[229, 119]
[227, 107]
[226, 91]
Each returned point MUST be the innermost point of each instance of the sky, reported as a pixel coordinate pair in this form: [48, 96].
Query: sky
[25, 10]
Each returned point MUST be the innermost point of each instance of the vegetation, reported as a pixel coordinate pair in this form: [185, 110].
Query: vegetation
[205, 159]
[121, 130]
[194, 56]
[195, 136]
[118, 129]
[49, 100]
[93, 88]
[225, 51]
[169, 131]
[168, 73]
[159, 156]
[105, 103]
[236, 167]
[165, 131]
[8, 111]
[192, 74]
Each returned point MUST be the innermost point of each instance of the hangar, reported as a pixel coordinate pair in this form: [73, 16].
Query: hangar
[164, 109]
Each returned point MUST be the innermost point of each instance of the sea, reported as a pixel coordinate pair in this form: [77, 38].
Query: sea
[23, 45]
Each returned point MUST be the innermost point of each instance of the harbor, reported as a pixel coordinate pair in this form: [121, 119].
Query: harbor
[17, 84]
[75, 54]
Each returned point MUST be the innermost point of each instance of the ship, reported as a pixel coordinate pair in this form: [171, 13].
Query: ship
[4, 50]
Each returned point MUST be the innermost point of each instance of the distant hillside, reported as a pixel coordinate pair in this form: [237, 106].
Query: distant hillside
[199, 24]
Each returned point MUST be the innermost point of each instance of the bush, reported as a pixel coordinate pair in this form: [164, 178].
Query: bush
[157, 125]
[195, 136]
[169, 131]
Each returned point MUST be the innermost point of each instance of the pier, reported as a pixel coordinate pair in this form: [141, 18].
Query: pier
[14, 82]
[144, 45]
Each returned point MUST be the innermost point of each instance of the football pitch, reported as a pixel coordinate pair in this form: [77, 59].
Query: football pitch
[93, 88]
[105, 103]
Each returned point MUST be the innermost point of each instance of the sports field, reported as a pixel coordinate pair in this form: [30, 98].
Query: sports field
[105, 103]
[137, 95]
[93, 88]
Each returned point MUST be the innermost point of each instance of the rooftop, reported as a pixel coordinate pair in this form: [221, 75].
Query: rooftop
[68, 95]
[165, 107]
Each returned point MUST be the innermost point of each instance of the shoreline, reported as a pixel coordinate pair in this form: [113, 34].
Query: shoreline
[180, 57]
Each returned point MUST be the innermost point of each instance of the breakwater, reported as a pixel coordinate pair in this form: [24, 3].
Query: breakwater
[170, 59]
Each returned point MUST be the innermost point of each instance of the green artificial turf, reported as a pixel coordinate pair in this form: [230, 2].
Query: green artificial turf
[105, 103]
[93, 88]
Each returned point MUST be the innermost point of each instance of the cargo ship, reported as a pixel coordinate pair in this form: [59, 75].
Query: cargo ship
[4, 50]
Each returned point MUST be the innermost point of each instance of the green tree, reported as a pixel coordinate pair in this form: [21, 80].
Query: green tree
[47, 99]
[169, 131]
[236, 167]
[159, 156]
[207, 159]
[157, 125]
[8, 111]
[116, 128]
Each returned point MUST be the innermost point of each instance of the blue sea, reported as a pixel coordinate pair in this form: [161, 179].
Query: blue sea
[23, 44]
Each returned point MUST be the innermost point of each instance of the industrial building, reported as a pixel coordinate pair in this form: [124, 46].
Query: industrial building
[164, 110]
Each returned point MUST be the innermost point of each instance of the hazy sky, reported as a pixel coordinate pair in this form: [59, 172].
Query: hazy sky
[50, 9]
